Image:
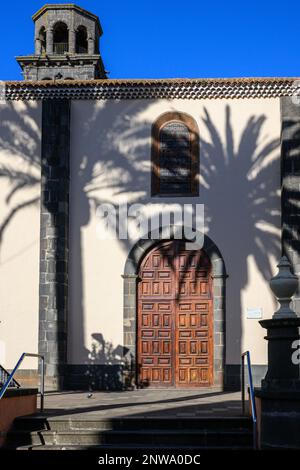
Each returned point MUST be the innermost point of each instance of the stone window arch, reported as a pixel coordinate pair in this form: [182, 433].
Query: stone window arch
[175, 155]
[81, 40]
[60, 38]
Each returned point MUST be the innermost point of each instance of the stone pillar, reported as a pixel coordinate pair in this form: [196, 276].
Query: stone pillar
[279, 394]
[130, 293]
[38, 46]
[219, 306]
[54, 239]
[130, 285]
[49, 41]
[91, 46]
[290, 168]
[72, 41]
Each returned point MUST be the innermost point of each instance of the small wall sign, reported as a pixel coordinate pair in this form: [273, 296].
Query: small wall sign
[254, 313]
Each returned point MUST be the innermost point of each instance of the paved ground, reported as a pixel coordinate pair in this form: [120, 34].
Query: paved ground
[142, 403]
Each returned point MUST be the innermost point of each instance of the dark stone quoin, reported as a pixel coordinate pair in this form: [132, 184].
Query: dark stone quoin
[53, 289]
[130, 276]
[290, 181]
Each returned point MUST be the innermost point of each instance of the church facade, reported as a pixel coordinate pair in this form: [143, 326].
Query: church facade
[111, 311]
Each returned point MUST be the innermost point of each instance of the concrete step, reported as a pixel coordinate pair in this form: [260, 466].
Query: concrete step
[120, 448]
[129, 437]
[52, 432]
[43, 422]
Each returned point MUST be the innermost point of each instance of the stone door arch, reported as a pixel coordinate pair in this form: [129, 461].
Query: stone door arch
[218, 277]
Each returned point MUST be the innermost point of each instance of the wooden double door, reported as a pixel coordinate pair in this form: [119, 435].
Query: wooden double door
[175, 325]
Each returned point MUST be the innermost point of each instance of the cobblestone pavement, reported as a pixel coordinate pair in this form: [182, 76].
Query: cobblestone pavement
[142, 403]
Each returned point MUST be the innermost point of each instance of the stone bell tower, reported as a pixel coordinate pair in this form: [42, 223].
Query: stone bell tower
[66, 45]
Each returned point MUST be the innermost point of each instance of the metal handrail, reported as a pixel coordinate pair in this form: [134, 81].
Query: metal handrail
[11, 375]
[252, 397]
[60, 47]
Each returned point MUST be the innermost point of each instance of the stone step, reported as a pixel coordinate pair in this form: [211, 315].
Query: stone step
[38, 422]
[132, 437]
[124, 448]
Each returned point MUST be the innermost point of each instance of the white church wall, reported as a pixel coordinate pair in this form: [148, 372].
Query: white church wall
[20, 124]
[239, 187]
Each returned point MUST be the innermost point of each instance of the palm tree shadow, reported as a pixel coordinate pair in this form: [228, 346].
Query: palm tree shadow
[243, 178]
[234, 180]
[104, 165]
[20, 165]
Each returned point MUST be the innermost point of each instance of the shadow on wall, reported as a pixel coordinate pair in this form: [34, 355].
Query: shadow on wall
[107, 368]
[20, 166]
[235, 179]
[246, 184]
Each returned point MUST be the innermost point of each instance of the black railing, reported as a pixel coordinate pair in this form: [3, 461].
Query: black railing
[4, 374]
[11, 376]
[60, 47]
[251, 392]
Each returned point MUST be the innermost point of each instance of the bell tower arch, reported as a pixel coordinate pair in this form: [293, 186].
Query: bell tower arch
[66, 45]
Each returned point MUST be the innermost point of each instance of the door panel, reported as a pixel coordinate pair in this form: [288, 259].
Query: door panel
[174, 334]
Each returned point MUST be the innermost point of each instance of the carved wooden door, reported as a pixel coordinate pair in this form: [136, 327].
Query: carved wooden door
[174, 327]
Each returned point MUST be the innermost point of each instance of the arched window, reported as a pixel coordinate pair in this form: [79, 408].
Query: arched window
[60, 38]
[42, 38]
[81, 40]
[175, 155]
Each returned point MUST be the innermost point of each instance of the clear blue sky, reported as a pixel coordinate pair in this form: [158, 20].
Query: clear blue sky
[175, 38]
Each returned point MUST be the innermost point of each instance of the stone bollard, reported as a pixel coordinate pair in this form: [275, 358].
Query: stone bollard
[279, 394]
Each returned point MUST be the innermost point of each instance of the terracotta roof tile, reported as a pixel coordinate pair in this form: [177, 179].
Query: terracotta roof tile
[187, 88]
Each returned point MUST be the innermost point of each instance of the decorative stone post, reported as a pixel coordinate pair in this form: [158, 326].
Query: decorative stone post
[38, 46]
[280, 389]
[72, 41]
[49, 42]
